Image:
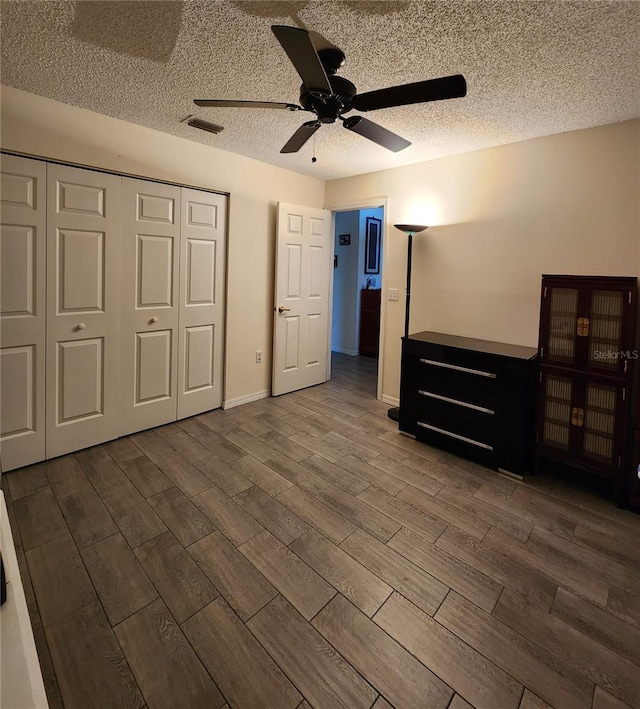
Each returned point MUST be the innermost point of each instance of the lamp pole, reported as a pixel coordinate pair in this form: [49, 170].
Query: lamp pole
[409, 229]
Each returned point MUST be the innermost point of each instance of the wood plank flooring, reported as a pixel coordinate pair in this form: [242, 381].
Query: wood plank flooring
[299, 552]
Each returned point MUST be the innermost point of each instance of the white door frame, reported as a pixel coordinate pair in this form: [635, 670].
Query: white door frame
[371, 203]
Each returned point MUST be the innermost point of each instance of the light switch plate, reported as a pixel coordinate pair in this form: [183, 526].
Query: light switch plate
[393, 294]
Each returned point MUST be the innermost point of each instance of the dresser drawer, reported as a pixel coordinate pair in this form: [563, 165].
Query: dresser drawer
[453, 420]
[476, 361]
[472, 386]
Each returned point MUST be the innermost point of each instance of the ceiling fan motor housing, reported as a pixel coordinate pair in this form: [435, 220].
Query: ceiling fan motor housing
[330, 107]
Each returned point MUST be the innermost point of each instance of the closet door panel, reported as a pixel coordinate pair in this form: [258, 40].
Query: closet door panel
[22, 311]
[150, 286]
[83, 308]
[202, 307]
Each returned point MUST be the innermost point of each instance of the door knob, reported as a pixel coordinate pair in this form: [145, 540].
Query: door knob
[282, 309]
[154, 319]
[80, 326]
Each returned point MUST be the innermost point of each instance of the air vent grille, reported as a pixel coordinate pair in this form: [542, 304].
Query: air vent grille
[204, 125]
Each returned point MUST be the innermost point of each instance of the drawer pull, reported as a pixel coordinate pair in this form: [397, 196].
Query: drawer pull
[457, 402]
[455, 435]
[479, 372]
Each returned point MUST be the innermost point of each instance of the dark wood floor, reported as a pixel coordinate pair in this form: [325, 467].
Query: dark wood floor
[299, 552]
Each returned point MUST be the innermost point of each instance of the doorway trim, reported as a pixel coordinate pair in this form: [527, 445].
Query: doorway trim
[369, 203]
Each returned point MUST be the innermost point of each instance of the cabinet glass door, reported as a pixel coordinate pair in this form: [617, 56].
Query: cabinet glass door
[605, 329]
[600, 423]
[563, 325]
[556, 424]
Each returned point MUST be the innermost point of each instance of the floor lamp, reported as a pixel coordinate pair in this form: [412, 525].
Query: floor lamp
[409, 229]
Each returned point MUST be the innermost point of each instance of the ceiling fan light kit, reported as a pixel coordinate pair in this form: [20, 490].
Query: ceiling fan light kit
[329, 97]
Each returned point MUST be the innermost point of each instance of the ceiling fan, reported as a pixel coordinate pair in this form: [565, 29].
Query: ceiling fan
[329, 96]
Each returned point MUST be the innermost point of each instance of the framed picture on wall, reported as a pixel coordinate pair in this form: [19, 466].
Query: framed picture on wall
[345, 239]
[372, 245]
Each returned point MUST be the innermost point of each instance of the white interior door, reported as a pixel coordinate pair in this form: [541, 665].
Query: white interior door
[83, 308]
[301, 315]
[22, 311]
[150, 292]
[202, 292]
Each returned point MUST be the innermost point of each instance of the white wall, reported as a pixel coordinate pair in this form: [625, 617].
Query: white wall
[344, 335]
[42, 127]
[500, 218]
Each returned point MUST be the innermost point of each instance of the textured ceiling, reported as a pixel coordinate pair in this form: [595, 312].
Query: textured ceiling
[532, 69]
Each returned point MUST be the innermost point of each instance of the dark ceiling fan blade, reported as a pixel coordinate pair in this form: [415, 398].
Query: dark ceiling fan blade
[378, 134]
[297, 44]
[223, 103]
[420, 92]
[300, 137]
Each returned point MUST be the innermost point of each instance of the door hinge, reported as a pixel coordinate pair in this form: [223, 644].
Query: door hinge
[542, 353]
[583, 327]
[629, 297]
[545, 292]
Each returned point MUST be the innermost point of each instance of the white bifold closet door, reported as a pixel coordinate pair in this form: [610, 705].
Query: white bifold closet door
[112, 307]
[202, 301]
[150, 299]
[22, 311]
[83, 308]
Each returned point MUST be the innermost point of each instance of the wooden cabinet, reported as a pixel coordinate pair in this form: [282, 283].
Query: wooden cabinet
[587, 334]
[634, 466]
[369, 321]
[472, 397]
[634, 470]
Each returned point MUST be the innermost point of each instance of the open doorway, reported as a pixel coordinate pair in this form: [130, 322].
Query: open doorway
[357, 284]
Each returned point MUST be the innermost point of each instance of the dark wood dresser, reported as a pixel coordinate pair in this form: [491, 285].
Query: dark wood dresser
[369, 321]
[472, 397]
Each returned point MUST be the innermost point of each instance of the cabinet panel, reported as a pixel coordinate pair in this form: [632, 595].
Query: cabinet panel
[557, 394]
[588, 322]
[601, 404]
[563, 319]
[22, 311]
[83, 308]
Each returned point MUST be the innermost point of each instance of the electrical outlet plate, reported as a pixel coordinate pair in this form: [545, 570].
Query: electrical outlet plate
[258, 357]
[394, 294]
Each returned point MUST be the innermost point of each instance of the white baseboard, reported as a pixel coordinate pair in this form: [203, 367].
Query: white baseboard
[247, 399]
[390, 400]
[342, 350]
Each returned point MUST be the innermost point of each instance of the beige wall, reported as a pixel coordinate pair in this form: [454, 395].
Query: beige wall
[499, 219]
[46, 128]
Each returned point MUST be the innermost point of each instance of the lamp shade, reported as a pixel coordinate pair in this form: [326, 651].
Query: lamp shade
[410, 228]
